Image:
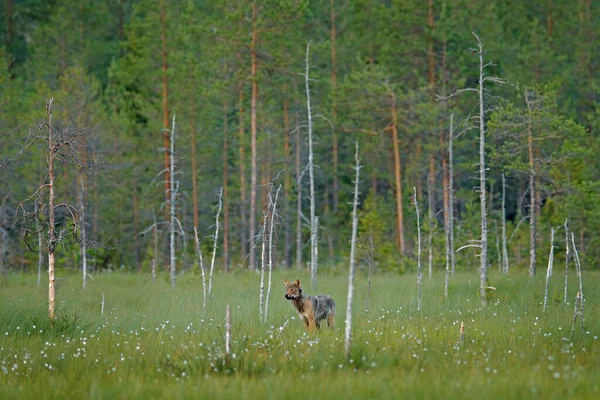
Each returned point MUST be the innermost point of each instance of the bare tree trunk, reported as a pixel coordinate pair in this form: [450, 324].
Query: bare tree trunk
[271, 228]
[532, 192]
[451, 195]
[83, 233]
[566, 259]
[482, 181]
[430, 182]
[244, 224]
[504, 249]
[216, 239]
[579, 272]
[52, 240]
[201, 265]
[38, 228]
[287, 185]
[332, 37]
[227, 331]
[549, 270]
[172, 195]
[298, 200]
[225, 192]
[348, 330]
[398, 178]
[419, 279]
[253, 128]
[313, 223]
[155, 238]
[165, 96]
[194, 164]
[263, 264]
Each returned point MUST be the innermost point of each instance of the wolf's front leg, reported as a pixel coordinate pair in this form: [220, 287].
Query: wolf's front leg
[305, 321]
[312, 325]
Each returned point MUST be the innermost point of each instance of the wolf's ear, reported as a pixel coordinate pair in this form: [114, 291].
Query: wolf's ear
[297, 282]
[286, 281]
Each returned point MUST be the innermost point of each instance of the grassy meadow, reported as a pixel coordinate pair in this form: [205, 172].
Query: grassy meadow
[154, 342]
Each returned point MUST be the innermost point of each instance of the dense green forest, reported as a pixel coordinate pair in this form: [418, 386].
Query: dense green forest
[231, 74]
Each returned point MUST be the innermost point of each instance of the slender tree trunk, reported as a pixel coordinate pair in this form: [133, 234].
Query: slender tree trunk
[566, 260]
[227, 331]
[52, 240]
[155, 239]
[263, 264]
[136, 220]
[38, 228]
[419, 278]
[172, 195]
[84, 266]
[225, 190]
[579, 272]
[532, 192]
[313, 223]
[273, 213]
[298, 199]
[549, 270]
[348, 330]
[482, 182]
[253, 128]
[431, 217]
[447, 213]
[216, 240]
[194, 162]
[332, 37]
[287, 184]
[165, 96]
[504, 249]
[398, 178]
[244, 224]
[201, 265]
[451, 195]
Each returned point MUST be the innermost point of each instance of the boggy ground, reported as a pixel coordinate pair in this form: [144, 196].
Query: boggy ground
[154, 342]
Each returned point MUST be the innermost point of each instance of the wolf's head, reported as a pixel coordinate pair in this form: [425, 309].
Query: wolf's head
[292, 290]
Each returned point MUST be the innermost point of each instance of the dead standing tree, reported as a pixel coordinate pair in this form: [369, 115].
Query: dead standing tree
[61, 146]
[481, 92]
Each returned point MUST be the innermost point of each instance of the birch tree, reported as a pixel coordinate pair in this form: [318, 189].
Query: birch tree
[482, 94]
[419, 277]
[348, 329]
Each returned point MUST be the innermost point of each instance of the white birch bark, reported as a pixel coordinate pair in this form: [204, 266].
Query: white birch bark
[271, 225]
[419, 278]
[566, 260]
[263, 265]
[201, 265]
[482, 181]
[430, 219]
[216, 239]
[313, 221]
[172, 195]
[227, 331]
[348, 328]
[83, 233]
[155, 238]
[549, 270]
[579, 273]
[451, 195]
[504, 248]
[102, 306]
[52, 240]
[298, 202]
[38, 228]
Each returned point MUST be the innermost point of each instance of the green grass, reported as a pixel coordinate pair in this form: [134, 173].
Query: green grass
[154, 342]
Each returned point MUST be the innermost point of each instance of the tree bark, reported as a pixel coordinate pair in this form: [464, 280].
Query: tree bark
[348, 329]
[532, 191]
[482, 182]
[83, 232]
[313, 217]
[172, 195]
[298, 199]
[244, 224]
[52, 240]
[253, 129]
[225, 190]
[549, 270]
[332, 37]
[165, 97]
[431, 217]
[398, 178]
[287, 184]
[194, 162]
[566, 260]
[419, 278]
[504, 249]
[215, 242]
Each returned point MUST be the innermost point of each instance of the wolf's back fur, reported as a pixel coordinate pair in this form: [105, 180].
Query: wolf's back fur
[312, 309]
